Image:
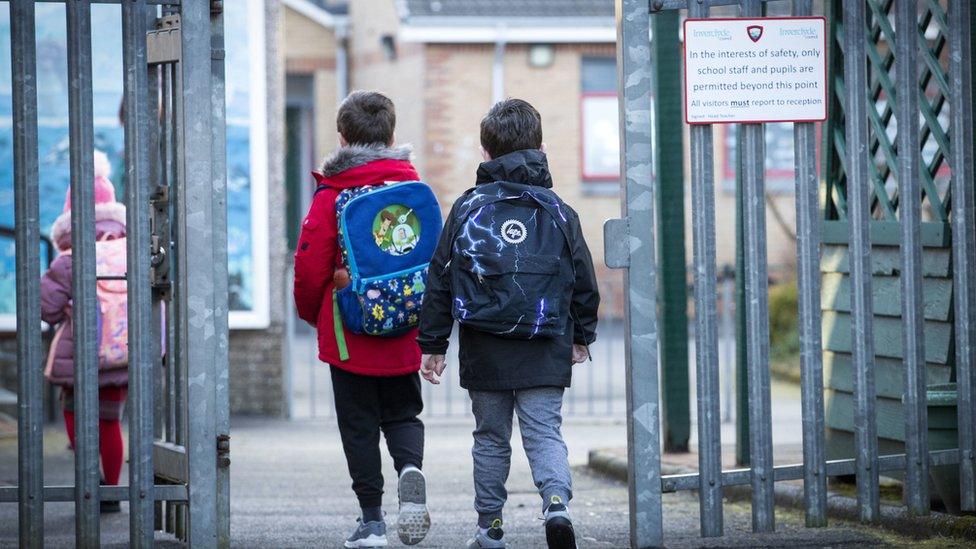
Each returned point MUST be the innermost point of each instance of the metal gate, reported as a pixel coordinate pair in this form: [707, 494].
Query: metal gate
[630, 246]
[176, 274]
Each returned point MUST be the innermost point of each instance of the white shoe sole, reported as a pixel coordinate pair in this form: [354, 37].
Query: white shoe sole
[372, 541]
[413, 522]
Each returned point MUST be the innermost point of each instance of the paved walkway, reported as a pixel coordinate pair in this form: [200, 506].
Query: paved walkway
[290, 488]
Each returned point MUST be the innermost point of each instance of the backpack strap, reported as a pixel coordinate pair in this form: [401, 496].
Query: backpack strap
[340, 334]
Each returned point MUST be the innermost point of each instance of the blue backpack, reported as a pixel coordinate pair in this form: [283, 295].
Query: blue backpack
[387, 235]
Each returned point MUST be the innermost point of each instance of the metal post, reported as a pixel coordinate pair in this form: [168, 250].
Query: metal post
[757, 314]
[706, 322]
[963, 238]
[219, 242]
[912, 304]
[30, 355]
[669, 174]
[858, 185]
[808, 283]
[727, 332]
[138, 247]
[741, 360]
[84, 298]
[636, 232]
[196, 290]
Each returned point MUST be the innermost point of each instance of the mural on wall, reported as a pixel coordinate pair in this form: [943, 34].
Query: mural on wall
[246, 182]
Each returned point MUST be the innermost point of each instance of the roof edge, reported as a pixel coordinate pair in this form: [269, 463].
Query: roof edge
[315, 13]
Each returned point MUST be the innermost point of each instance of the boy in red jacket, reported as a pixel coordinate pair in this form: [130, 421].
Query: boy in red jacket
[376, 387]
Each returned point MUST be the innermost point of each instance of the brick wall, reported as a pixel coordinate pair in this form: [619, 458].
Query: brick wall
[310, 49]
[458, 93]
[400, 78]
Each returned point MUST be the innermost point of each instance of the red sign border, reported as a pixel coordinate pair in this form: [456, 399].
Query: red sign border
[684, 58]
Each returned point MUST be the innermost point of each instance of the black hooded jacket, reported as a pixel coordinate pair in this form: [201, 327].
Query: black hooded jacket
[493, 363]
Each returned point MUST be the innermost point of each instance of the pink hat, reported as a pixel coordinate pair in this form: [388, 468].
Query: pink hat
[104, 190]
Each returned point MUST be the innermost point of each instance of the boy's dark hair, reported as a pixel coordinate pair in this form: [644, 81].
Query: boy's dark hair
[511, 125]
[366, 118]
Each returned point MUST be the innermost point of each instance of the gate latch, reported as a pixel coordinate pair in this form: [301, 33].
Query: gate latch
[617, 243]
[223, 451]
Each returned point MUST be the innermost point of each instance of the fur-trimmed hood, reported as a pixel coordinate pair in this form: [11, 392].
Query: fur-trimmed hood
[109, 219]
[352, 156]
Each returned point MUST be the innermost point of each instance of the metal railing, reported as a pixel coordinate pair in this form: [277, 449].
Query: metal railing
[629, 246]
[597, 391]
[173, 102]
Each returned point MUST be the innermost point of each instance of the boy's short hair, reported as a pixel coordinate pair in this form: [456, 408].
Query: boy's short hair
[511, 125]
[366, 118]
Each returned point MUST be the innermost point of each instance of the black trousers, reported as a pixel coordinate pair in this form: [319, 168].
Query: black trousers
[366, 405]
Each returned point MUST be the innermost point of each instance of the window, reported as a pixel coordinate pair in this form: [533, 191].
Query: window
[600, 137]
[780, 175]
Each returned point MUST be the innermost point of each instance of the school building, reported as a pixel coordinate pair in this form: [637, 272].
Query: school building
[444, 63]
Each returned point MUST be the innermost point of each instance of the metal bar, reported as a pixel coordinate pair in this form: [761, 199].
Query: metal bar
[84, 298]
[963, 239]
[640, 322]
[196, 289]
[609, 373]
[171, 492]
[30, 354]
[706, 322]
[151, 2]
[912, 304]
[138, 248]
[858, 209]
[669, 174]
[834, 468]
[808, 284]
[757, 314]
[219, 197]
[177, 183]
[741, 355]
[727, 337]
[662, 5]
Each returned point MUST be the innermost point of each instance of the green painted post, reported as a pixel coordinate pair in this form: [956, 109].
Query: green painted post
[741, 375]
[669, 170]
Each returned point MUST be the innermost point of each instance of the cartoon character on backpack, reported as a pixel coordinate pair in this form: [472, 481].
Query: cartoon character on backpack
[387, 235]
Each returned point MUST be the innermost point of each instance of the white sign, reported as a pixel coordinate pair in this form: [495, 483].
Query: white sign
[755, 70]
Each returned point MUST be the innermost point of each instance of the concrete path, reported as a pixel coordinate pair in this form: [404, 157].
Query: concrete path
[290, 488]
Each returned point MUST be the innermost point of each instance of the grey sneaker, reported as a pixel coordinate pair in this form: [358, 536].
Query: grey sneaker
[367, 534]
[413, 523]
[559, 528]
[492, 538]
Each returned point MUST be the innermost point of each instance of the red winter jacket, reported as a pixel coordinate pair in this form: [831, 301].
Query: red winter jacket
[317, 258]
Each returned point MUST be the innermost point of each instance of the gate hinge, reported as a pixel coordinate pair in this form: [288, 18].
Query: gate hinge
[616, 243]
[223, 451]
[163, 44]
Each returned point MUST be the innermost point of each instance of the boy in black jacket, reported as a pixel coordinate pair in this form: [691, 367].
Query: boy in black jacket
[523, 366]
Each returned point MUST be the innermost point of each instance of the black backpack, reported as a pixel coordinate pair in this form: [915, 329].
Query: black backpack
[511, 264]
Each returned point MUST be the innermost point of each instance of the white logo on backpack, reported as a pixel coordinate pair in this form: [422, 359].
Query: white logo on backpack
[514, 231]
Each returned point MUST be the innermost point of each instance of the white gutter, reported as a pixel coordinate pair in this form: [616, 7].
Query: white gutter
[313, 12]
[342, 60]
[525, 35]
[498, 69]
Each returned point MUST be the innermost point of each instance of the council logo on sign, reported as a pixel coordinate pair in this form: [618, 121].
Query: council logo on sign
[755, 32]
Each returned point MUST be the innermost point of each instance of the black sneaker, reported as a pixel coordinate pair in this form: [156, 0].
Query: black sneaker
[105, 506]
[559, 527]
